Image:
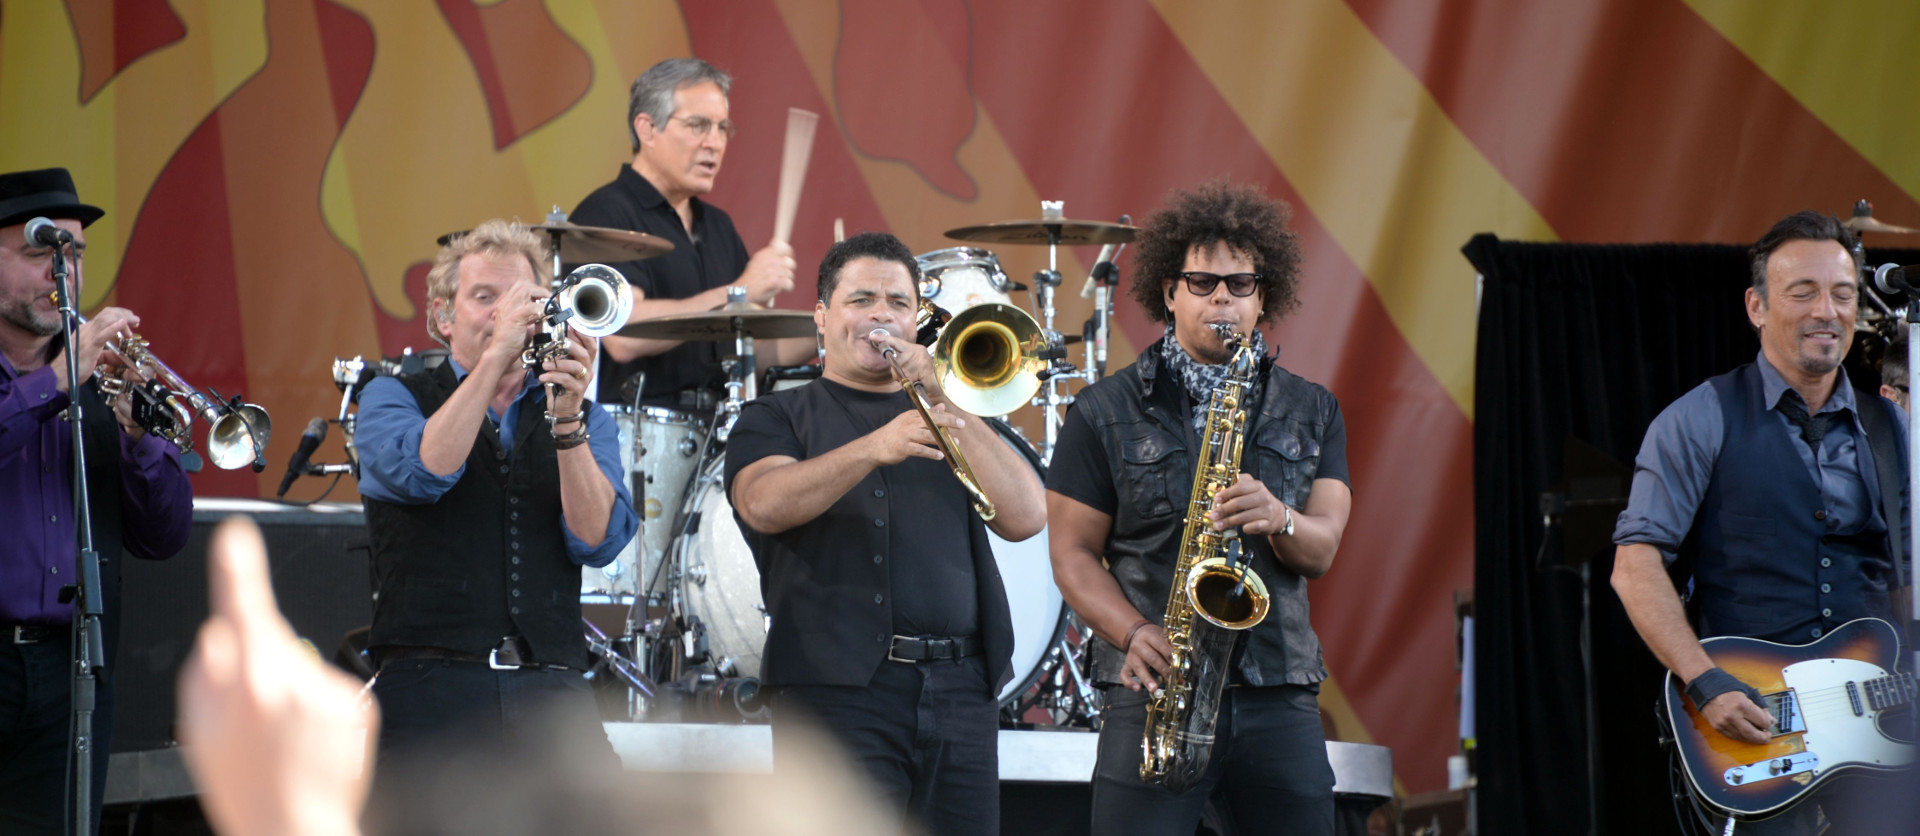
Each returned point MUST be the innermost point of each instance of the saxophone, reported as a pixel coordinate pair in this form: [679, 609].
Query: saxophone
[1211, 581]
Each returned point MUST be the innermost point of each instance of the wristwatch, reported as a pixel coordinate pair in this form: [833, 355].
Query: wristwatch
[1288, 528]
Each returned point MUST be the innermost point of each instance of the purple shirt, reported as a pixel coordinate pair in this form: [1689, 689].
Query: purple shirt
[37, 538]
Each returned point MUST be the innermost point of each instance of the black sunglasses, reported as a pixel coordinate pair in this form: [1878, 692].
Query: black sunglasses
[1202, 283]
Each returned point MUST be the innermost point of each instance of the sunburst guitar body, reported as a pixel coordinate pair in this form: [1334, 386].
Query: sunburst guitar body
[1827, 699]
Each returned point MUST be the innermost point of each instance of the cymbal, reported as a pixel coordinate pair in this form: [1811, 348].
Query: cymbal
[707, 326]
[1041, 231]
[1867, 223]
[582, 244]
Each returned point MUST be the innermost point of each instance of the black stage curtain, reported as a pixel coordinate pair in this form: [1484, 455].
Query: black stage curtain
[1588, 342]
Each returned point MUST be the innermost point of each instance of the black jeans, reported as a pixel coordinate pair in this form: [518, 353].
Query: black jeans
[1269, 772]
[36, 683]
[434, 707]
[927, 733]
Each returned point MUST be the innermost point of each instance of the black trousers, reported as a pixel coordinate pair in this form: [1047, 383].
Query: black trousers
[1269, 772]
[431, 708]
[926, 732]
[36, 686]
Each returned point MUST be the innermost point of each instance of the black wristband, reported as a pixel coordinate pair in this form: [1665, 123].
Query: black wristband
[1714, 682]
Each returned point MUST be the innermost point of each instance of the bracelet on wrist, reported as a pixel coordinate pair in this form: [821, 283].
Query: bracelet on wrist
[1127, 642]
[568, 441]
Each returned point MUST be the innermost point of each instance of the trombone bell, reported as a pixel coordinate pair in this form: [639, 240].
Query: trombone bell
[988, 359]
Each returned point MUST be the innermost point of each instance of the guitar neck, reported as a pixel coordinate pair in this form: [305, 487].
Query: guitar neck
[1890, 691]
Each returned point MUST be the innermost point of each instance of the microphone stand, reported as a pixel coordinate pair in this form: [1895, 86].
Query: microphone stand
[89, 654]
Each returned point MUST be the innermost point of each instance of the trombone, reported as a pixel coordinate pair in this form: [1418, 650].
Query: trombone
[988, 359]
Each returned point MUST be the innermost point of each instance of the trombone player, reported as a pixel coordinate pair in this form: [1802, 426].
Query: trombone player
[1117, 505]
[889, 625]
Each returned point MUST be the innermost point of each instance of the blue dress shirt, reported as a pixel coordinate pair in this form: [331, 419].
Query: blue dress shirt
[388, 433]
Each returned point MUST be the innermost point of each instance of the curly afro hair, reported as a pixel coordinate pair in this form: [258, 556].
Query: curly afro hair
[1241, 217]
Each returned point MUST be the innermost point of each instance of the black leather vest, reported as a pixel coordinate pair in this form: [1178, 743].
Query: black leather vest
[1769, 566]
[488, 559]
[1143, 423]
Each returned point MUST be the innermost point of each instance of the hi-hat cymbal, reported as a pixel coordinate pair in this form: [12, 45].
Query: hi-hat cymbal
[1867, 223]
[707, 326]
[1044, 231]
[582, 244]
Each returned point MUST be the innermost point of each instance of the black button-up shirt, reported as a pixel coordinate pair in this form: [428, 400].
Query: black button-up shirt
[711, 257]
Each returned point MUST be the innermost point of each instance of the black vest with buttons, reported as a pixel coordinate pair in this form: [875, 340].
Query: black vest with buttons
[1141, 419]
[1770, 567]
[487, 560]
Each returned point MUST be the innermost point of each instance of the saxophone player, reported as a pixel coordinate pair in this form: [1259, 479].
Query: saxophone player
[1117, 498]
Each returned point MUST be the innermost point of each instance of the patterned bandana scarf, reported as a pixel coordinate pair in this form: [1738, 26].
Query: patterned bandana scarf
[1199, 379]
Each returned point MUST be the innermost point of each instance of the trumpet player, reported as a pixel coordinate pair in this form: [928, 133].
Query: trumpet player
[484, 498]
[889, 624]
[1118, 500]
[141, 502]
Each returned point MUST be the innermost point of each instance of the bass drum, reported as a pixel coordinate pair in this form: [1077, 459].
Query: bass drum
[721, 585]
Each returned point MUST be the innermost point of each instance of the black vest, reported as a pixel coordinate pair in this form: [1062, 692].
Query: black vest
[1141, 418]
[1769, 568]
[101, 435]
[488, 559]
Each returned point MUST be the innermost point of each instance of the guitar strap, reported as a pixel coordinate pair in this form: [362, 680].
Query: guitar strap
[1882, 439]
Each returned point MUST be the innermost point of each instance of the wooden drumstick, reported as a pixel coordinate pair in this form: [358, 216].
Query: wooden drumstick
[839, 230]
[793, 169]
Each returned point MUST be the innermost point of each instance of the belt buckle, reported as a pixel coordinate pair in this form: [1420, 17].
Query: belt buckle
[890, 645]
[19, 635]
[493, 661]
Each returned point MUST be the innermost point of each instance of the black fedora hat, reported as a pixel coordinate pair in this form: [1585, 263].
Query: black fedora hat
[49, 192]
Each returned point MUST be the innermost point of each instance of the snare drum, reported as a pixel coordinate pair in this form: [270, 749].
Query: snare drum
[722, 585]
[660, 451]
[958, 278]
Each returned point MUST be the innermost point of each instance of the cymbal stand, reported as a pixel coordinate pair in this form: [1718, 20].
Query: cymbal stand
[742, 385]
[554, 219]
[1052, 396]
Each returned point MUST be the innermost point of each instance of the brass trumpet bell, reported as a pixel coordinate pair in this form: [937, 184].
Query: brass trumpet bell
[988, 359]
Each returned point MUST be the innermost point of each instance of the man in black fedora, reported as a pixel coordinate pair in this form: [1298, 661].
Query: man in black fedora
[141, 502]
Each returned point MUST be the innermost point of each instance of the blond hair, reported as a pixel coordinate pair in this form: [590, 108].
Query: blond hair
[492, 238]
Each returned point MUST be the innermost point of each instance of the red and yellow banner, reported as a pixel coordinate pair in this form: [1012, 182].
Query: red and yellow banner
[275, 173]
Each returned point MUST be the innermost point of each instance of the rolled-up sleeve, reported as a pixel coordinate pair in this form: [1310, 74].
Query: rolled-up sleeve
[603, 438]
[1671, 473]
[156, 498]
[387, 433]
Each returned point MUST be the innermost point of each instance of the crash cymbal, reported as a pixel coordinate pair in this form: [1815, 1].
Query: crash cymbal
[583, 244]
[1867, 223]
[719, 325]
[1042, 231]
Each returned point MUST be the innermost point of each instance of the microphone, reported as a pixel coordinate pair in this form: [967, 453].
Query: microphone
[1106, 257]
[1895, 278]
[309, 441]
[42, 232]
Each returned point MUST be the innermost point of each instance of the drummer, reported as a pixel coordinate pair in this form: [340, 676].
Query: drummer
[678, 123]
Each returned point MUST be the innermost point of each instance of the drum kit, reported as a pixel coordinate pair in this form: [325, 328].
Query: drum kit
[677, 618]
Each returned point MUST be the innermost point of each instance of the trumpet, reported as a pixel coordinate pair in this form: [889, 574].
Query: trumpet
[165, 404]
[988, 359]
[594, 300]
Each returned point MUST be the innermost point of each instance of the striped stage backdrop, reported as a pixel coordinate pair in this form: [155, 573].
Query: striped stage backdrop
[275, 173]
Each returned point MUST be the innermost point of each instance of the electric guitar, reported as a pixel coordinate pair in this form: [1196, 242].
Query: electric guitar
[1826, 699]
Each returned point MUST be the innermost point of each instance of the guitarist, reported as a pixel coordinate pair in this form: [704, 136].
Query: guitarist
[1792, 521]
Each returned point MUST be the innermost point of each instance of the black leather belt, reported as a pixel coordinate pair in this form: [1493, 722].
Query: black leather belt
[37, 633]
[932, 648]
[513, 653]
